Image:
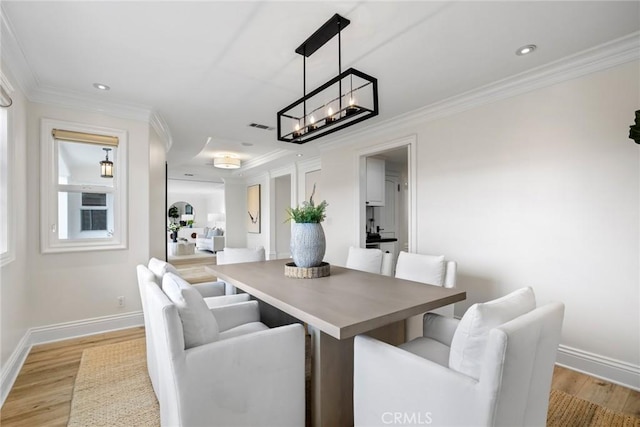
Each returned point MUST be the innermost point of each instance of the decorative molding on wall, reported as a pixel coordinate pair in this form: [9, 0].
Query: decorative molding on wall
[162, 129]
[285, 170]
[599, 58]
[58, 332]
[606, 368]
[310, 164]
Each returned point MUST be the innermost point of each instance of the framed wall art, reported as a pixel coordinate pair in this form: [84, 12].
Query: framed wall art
[253, 208]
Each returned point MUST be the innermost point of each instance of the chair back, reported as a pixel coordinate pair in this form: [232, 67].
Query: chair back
[370, 260]
[238, 255]
[145, 276]
[518, 367]
[159, 267]
[168, 340]
[429, 269]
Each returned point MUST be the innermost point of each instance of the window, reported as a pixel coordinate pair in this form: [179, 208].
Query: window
[93, 220]
[7, 208]
[81, 209]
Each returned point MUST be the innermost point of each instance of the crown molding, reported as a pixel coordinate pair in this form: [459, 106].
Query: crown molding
[162, 129]
[13, 56]
[6, 84]
[66, 99]
[264, 159]
[599, 58]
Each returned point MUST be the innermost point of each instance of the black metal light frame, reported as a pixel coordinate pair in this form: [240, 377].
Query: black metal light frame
[346, 115]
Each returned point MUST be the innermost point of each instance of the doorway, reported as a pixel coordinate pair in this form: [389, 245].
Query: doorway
[387, 221]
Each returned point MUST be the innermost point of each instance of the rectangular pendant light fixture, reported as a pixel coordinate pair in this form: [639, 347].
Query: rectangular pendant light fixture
[347, 99]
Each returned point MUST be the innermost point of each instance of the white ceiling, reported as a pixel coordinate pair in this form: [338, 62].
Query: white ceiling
[210, 68]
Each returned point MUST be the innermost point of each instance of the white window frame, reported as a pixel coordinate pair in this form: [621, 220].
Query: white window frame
[50, 243]
[7, 213]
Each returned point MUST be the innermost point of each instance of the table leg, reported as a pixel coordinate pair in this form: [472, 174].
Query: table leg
[332, 374]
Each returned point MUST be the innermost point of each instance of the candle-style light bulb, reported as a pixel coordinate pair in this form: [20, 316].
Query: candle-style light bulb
[330, 117]
[351, 109]
[296, 130]
[312, 123]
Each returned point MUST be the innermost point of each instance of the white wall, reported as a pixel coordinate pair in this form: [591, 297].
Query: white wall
[540, 189]
[282, 226]
[235, 201]
[157, 188]
[73, 286]
[14, 284]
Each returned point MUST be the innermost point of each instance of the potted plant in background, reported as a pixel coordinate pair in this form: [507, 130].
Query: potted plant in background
[308, 244]
[173, 228]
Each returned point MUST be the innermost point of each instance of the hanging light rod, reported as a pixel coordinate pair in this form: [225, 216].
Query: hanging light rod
[322, 35]
[347, 99]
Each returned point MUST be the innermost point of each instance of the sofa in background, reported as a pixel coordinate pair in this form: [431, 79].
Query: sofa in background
[211, 239]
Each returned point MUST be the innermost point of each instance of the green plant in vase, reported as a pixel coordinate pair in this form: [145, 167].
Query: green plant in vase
[173, 228]
[308, 243]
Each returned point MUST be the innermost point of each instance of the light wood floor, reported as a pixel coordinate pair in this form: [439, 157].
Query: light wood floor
[41, 395]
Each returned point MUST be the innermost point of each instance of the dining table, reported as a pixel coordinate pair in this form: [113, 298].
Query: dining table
[335, 309]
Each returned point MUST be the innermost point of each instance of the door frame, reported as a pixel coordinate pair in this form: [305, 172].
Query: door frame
[411, 144]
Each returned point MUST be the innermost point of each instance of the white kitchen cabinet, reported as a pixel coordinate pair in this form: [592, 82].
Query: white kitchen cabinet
[385, 216]
[375, 182]
[392, 248]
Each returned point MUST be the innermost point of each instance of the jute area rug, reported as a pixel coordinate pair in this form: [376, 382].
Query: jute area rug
[112, 388]
[570, 411]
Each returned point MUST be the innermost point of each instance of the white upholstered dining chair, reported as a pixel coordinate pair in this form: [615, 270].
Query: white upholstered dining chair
[236, 256]
[212, 292]
[145, 275]
[491, 368]
[222, 366]
[429, 269]
[370, 260]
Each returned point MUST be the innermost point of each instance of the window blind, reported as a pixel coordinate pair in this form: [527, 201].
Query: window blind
[88, 138]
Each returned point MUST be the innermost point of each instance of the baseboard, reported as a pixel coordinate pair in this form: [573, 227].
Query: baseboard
[58, 332]
[11, 369]
[612, 370]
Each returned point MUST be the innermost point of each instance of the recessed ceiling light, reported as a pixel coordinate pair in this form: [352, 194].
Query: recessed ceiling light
[101, 86]
[299, 154]
[188, 174]
[247, 144]
[525, 50]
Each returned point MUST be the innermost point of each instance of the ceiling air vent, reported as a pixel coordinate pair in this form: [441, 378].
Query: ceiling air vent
[259, 126]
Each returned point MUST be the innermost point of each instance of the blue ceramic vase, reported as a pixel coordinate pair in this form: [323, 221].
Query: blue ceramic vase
[307, 244]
